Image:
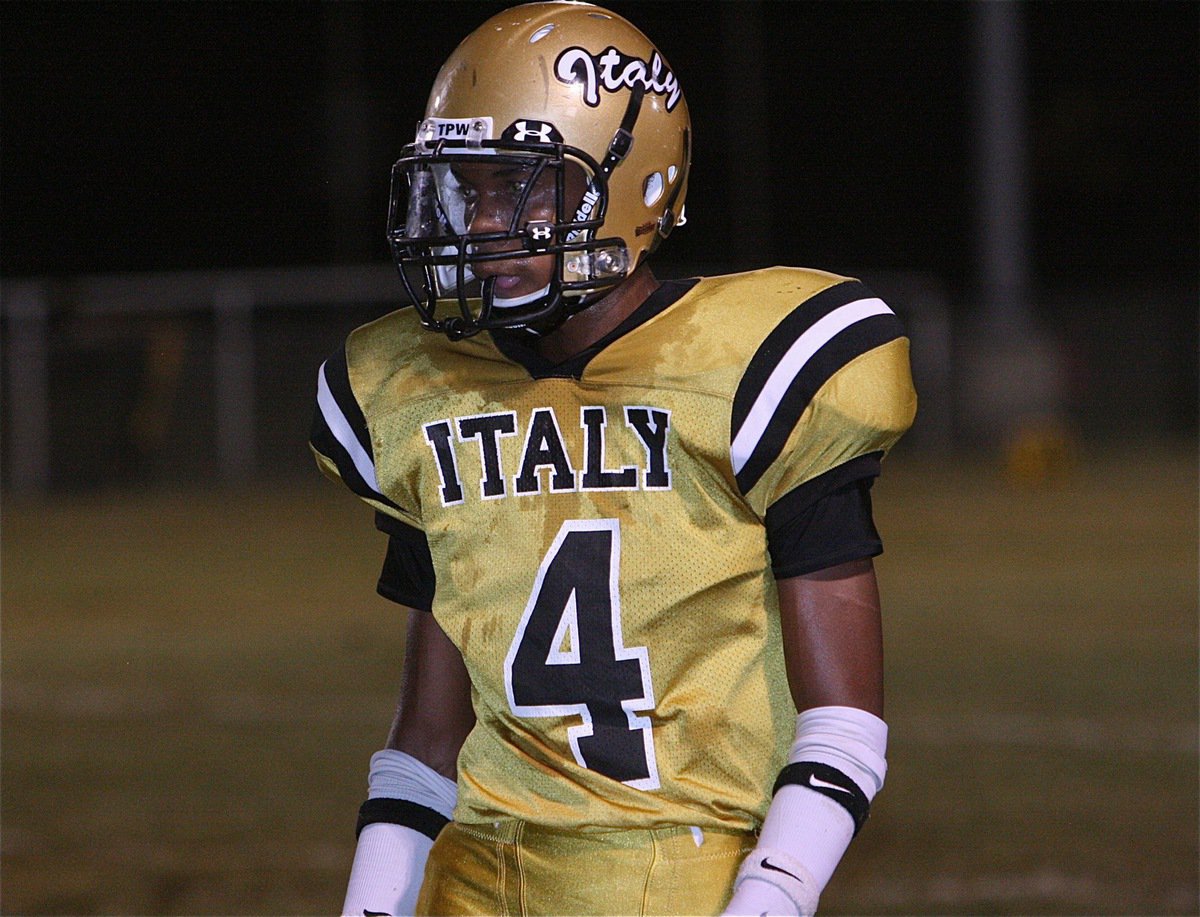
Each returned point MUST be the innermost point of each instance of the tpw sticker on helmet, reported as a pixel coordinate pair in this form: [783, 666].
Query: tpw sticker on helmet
[434, 129]
[613, 71]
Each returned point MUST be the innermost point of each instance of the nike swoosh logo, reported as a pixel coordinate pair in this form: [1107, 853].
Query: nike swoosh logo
[767, 864]
[817, 783]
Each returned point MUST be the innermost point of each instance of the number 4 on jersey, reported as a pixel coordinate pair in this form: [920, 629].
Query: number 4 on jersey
[568, 657]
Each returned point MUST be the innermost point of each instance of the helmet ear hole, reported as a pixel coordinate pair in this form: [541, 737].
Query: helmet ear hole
[652, 188]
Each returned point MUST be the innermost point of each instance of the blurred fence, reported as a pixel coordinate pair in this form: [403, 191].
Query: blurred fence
[209, 375]
[170, 376]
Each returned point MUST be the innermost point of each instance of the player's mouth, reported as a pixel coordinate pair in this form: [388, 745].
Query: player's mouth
[510, 277]
[507, 283]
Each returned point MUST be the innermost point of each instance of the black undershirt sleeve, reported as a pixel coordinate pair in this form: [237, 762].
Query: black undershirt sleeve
[407, 576]
[825, 521]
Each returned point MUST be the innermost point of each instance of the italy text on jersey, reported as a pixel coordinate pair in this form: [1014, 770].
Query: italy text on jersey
[546, 448]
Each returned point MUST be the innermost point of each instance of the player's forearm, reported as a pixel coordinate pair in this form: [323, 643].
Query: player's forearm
[434, 714]
[436, 748]
[821, 800]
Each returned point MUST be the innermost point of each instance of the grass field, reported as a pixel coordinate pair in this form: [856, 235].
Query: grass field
[193, 682]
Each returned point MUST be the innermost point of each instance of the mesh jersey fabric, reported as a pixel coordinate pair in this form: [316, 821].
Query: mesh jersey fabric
[599, 541]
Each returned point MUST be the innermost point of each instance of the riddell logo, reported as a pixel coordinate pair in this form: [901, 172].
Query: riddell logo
[587, 205]
[590, 198]
[613, 71]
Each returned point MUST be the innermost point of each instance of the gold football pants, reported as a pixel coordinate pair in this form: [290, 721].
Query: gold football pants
[514, 868]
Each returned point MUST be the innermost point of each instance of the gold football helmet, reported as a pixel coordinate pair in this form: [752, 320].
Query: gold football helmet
[552, 159]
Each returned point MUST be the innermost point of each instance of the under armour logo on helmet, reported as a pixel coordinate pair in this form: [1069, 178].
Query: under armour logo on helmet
[540, 231]
[529, 131]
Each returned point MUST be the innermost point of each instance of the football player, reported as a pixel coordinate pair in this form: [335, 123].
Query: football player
[630, 518]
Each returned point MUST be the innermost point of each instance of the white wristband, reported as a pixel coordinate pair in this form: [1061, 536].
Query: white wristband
[389, 862]
[804, 828]
[772, 883]
[389, 865]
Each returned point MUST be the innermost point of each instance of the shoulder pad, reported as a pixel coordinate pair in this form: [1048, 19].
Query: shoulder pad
[839, 362]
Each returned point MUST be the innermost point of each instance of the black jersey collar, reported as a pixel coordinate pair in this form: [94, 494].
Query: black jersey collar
[521, 351]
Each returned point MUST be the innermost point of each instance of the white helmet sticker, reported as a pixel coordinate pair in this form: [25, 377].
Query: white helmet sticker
[613, 71]
[435, 129]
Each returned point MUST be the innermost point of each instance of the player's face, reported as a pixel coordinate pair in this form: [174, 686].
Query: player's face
[491, 194]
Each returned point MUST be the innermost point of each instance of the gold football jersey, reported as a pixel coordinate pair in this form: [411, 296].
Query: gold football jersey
[599, 542]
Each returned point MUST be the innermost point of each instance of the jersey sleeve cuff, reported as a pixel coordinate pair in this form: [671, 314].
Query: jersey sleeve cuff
[407, 577]
[861, 551]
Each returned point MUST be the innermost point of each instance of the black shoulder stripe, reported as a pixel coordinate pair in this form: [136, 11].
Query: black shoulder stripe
[858, 338]
[339, 431]
[785, 334]
[337, 376]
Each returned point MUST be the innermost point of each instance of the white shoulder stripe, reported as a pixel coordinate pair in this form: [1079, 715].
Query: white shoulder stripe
[790, 366]
[340, 428]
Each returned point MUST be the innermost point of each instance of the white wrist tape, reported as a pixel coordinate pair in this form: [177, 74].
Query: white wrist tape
[396, 775]
[389, 862]
[389, 865]
[811, 823]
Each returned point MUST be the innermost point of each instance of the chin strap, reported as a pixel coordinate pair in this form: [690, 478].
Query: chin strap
[622, 141]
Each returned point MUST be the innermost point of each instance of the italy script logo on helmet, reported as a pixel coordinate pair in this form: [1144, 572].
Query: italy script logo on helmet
[613, 71]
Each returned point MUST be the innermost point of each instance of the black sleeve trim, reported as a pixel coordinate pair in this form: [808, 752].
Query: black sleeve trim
[844, 791]
[800, 498]
[825, 521]
[408, 576]
[401, 812]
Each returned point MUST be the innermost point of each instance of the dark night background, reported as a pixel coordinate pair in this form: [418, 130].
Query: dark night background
[163, 136]
[158, 137]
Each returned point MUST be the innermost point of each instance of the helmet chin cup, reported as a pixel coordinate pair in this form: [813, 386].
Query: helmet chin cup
[514, 302]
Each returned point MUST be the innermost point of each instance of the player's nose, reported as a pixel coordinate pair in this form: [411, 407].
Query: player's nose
[491, 215]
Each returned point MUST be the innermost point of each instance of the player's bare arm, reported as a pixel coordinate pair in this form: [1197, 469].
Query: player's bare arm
[411, 785]
[833, 637]
[833, 651]
[434, 714]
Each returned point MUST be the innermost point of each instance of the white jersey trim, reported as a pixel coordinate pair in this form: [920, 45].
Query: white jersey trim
[339, 426]
[790, 366]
